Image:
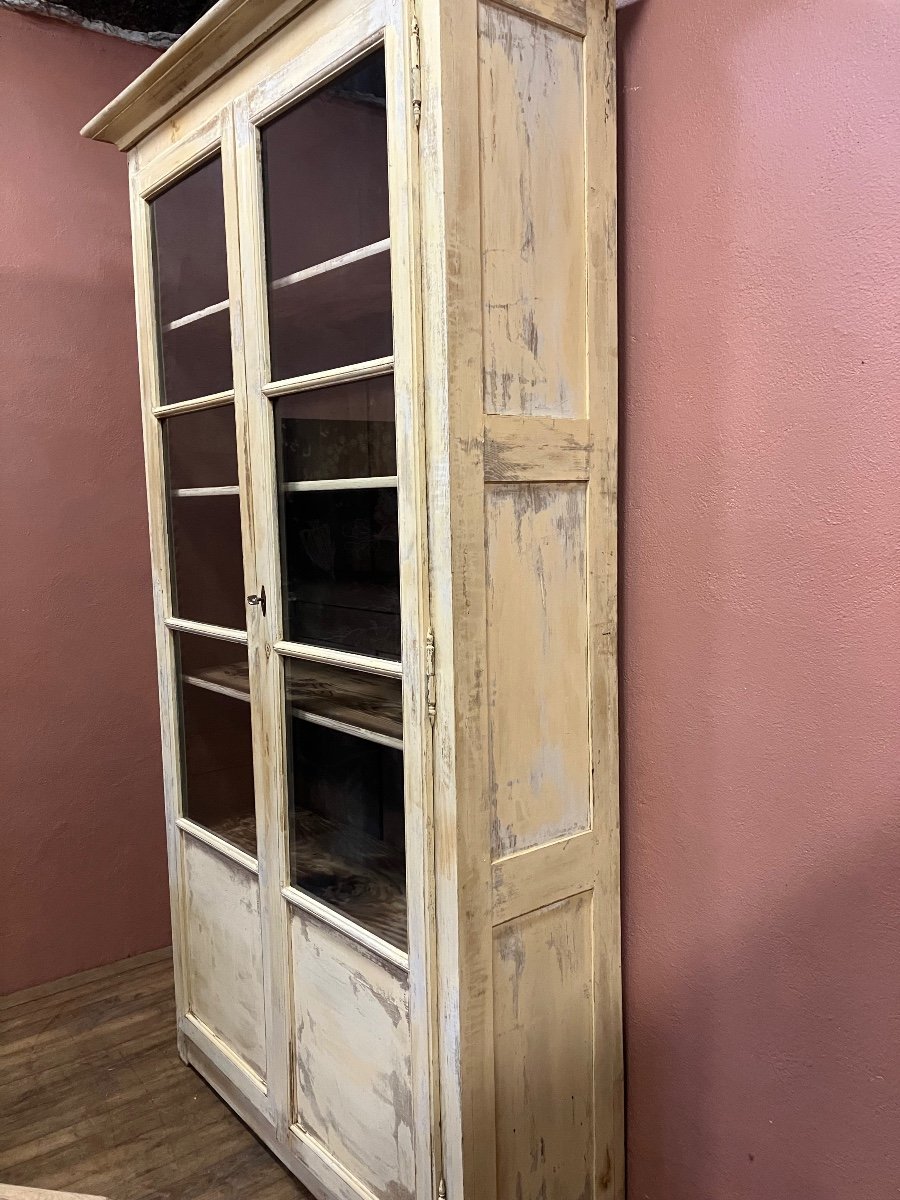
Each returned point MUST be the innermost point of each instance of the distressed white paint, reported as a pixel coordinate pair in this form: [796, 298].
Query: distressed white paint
[224, 958]
[533, 215]
[352, 1057]
[539, 769]
[543, 1064]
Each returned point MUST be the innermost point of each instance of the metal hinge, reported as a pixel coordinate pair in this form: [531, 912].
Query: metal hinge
[430, 681]
[442, 1191]
[416, 70]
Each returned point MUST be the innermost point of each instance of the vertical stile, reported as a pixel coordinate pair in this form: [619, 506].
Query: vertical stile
[154, 464]
[454, 431]
[602, 343]
[404, 107]
[258, 637]
[270, 765]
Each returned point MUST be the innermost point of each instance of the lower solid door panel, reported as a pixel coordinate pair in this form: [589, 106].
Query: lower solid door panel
[223, 952]
[353, 1093]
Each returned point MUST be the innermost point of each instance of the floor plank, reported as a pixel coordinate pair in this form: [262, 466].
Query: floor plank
[95, 1100]
[18, 1193]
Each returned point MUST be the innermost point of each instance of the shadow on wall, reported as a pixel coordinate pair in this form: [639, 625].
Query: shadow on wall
[760, 449]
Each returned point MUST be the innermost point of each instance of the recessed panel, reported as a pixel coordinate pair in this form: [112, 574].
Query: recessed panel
[224, 951]
[543, 1056]
[534, 281]
[352, 1053]
[537, 663]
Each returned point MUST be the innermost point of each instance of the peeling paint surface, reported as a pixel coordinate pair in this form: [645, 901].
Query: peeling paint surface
[224, 938]
[537, 617]
[533, 251]
[543, 1029]
[352, 1057]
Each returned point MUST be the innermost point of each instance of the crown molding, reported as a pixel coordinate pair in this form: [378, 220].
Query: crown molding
[221, 38]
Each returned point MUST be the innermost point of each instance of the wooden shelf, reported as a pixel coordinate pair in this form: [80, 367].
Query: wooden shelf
[331, 264]
[348, 701]
[359, 483]
[199, 315]
[183, 493]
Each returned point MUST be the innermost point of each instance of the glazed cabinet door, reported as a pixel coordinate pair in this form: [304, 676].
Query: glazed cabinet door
[184, 210]
[329, 268]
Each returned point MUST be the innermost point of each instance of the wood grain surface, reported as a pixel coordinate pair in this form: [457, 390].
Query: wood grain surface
[93, 1097]
[19, 1193]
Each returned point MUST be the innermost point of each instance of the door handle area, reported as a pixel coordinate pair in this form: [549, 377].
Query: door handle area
[260, 600]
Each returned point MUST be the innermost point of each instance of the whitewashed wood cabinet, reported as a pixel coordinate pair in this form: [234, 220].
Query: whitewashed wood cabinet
[375, 248]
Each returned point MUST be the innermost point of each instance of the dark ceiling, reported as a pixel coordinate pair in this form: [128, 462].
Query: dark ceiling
[167, 16]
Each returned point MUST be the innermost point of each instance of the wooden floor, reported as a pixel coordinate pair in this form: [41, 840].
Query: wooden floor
[94, 1098]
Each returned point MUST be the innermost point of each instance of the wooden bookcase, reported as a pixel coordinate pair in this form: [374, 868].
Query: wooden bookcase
[375, 268]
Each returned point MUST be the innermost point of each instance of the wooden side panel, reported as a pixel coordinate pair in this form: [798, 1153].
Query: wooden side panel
[224, 951]
[539, 766]
[534, 279]
[543, 1055]
[520, 274]
[352, 1058]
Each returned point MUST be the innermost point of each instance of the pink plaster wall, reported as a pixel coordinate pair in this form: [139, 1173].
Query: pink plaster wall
[83, 878]
[760, 213]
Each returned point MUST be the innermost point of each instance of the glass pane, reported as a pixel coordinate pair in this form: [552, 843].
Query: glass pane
[205, 517]
[346, 791]
[201, 448]
[216, 742]
[192, 286]
[344, 432]
[326, 197]
[341, 569]
[332, 320]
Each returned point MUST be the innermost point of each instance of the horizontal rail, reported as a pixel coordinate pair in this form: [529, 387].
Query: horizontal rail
[220, 632]
[225, 1059]
[222, 845]
[213, 400]
[358, 933]
[322, 379]
[341, 658]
